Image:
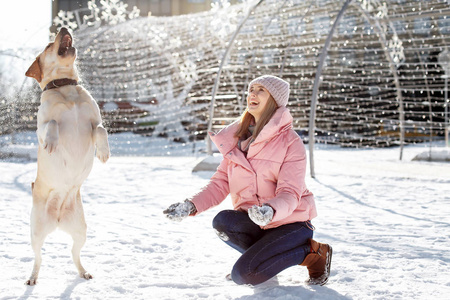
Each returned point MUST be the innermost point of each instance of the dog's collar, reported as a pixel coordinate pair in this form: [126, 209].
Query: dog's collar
[59, 83]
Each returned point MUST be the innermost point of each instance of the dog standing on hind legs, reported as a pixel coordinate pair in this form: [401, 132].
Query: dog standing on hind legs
[70, 134]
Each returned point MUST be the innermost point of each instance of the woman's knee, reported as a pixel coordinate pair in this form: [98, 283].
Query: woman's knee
[220, 220]
[230, 219]
[239, 276]
[221, 223]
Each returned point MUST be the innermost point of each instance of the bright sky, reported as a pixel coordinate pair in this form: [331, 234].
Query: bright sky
[24, 23]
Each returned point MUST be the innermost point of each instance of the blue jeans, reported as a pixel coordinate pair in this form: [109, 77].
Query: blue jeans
[265, 253]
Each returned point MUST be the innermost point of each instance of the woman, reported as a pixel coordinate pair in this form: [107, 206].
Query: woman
[264, 171]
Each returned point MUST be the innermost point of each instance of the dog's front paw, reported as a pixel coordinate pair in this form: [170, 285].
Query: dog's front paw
[50, 144]
[103, 154]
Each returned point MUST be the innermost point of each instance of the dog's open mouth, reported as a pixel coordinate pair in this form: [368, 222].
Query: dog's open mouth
[65, 47]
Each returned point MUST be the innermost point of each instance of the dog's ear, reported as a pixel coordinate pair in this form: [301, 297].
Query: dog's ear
[35, 71]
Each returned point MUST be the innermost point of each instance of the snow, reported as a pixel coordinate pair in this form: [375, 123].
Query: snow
[387, 221]
[434, 155]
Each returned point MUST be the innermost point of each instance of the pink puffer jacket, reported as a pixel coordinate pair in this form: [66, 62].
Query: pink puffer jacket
[273, 172]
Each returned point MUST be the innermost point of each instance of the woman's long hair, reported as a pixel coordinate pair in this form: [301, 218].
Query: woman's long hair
[247, 119]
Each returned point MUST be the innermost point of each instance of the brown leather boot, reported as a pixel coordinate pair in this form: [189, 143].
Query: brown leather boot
[318, 263]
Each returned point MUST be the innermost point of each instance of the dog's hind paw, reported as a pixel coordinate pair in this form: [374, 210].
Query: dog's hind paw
[31, 281]
[86, 276]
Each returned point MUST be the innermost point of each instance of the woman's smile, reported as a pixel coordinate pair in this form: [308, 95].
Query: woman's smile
[253, 103]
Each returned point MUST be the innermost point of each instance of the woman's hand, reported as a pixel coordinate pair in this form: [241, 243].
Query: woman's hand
[260, 215]
[180, 211]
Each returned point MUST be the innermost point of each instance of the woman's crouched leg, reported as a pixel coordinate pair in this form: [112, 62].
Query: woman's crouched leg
[278, 249]
[236, 229]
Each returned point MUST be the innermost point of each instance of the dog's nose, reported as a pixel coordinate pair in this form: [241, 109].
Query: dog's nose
[64, 30]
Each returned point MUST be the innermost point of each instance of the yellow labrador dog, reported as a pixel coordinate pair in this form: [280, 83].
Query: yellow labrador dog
[69, 130]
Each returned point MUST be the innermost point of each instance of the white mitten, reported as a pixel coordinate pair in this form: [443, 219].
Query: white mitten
[261, 215]
[179, 211]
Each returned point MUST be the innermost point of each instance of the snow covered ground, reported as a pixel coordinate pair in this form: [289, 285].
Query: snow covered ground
[387, 220]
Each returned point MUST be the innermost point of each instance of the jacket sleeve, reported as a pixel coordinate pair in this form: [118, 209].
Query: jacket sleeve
[291, 181]
[215, 191]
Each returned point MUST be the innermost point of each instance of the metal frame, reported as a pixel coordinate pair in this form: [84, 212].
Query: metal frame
[312, 113]
[317, 81]
[396, 79]
[312, 116]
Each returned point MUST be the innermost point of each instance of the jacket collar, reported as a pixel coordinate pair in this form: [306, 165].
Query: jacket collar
[280, 121]
[226, 141]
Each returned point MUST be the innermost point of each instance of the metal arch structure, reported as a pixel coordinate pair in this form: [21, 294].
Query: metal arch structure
[312, 114]
[396, 81]
[317, 81]
[319, 72]
[357, 96]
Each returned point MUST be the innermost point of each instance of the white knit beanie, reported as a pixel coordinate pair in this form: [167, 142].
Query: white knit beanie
[277, 87]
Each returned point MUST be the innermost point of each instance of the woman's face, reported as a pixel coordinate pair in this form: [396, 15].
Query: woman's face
[256, 100]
